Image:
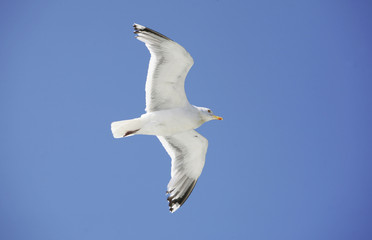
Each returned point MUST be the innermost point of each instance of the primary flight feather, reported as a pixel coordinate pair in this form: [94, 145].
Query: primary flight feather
[169, 115]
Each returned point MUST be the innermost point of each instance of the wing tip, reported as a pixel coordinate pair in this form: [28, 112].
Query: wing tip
[139, 29]
[176, 203]
[138, 26]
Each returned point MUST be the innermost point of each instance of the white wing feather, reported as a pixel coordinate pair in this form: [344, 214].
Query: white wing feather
[168, 67]
[187, 150]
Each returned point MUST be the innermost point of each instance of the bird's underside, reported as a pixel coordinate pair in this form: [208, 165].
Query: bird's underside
[168, 67]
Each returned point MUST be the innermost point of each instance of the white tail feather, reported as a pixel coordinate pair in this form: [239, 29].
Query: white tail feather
[126, 127]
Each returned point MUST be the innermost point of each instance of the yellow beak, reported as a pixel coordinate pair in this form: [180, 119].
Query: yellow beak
[217, 117]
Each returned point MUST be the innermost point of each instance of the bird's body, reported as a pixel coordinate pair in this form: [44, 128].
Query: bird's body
[171, 121]
[165, 122]
[169, 115]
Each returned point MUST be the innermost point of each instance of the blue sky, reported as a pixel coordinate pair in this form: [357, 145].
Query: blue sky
[291, 160]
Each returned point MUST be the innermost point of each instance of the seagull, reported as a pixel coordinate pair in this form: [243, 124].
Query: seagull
[169, 115]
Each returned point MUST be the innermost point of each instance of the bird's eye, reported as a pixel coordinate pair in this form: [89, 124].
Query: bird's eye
[209, 111]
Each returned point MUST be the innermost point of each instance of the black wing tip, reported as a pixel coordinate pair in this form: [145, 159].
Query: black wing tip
[139, 28]
[176, 203]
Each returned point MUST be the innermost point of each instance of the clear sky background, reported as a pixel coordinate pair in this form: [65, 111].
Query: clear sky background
[291, 160]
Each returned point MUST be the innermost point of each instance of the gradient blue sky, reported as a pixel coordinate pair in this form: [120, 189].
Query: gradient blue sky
[291, 160]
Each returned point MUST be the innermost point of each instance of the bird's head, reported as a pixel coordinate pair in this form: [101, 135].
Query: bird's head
[207, 114]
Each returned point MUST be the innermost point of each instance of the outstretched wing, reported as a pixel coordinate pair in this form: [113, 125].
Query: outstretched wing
[168, 67]
[187, 150]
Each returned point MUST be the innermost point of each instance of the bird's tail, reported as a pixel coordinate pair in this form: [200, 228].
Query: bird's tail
[126, 127]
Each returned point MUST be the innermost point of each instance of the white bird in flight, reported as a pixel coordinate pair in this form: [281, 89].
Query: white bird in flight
[169, 115]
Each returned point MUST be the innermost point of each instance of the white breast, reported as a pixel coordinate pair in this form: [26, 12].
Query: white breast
[170, 122]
